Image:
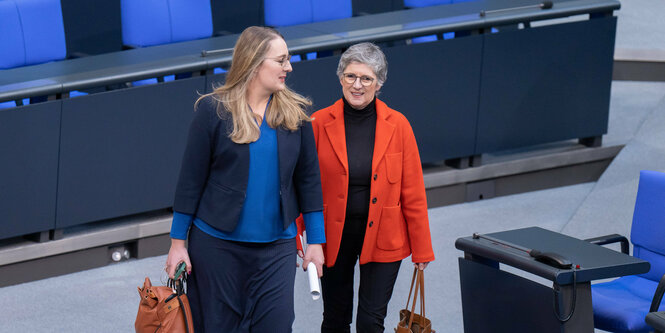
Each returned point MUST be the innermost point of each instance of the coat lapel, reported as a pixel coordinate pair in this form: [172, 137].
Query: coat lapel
[384, 132]
[336, 134]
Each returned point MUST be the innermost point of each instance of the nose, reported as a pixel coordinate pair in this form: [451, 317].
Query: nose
[357, 84]
[288, 67]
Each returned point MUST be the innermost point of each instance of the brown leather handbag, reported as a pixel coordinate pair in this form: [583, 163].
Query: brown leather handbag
[409, 321]
[164, 308]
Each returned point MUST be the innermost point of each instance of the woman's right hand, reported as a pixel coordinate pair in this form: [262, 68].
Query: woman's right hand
[177, 253]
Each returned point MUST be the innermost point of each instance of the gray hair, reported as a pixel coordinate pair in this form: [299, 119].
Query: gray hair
[368, 54]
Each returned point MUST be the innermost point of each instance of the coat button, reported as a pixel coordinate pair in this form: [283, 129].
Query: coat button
[375, 176]
[373, 200]
[371, 223]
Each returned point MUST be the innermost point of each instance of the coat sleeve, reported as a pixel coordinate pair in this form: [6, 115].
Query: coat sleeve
[414, 200]
[196, 160]
[307, 179]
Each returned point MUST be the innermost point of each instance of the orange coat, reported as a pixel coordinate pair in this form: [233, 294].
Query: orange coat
[397, 224]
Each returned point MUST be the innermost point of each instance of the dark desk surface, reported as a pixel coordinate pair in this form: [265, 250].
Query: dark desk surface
[131, 65]
[596, 262]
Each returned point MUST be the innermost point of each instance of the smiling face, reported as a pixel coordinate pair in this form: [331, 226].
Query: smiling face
[271, 74]
[357, 95]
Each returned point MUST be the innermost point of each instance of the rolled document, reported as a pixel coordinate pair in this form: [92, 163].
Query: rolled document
[312, 274]
[314, 288]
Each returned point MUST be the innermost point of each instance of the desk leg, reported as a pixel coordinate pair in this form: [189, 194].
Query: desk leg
[498, 301]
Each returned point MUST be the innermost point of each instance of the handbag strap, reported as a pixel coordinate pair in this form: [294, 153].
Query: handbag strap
[415, 297]
[421, 277]
[184, 314]
[413, 280]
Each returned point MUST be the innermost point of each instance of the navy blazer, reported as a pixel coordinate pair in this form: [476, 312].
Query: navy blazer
[214, 173]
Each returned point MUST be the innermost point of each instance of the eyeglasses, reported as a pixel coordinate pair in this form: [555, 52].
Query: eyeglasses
[282, 61]
[351, 78]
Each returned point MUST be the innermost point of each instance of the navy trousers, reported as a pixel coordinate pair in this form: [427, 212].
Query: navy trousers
[241, 287]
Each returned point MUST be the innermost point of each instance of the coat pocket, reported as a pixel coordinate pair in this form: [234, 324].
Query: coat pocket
[391, 229]
[394, 167]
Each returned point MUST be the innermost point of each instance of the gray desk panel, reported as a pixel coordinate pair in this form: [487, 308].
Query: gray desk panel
[435, 85]
[29, 138]
[317, 80]
[545, 84]
[121, 151]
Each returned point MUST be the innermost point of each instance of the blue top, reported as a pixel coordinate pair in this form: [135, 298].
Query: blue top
[260, 219]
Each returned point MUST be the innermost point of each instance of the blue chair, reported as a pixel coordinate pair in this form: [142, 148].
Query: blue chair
[5, 105]
[32, 32]
[156, 22]
[428, 3]
[621, 305]
[282, 13]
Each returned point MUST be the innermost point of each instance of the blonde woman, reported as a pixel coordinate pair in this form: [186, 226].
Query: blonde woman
[250, 168]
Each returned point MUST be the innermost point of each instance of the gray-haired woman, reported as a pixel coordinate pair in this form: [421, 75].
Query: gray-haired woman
[375, 208]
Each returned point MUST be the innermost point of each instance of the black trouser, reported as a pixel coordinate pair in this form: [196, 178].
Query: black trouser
[376, 287]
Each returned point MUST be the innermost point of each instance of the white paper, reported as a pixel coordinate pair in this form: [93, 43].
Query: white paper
[314, 289]
[312, 274]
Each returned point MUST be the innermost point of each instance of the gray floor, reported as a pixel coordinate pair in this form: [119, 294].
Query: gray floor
[105, 299]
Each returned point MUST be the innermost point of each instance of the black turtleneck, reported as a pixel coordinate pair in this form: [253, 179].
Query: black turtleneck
[359, 126]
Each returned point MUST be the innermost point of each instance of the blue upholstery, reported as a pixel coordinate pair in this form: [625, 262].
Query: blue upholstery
[43, 30]
[326, 10]
[11, 38]
[10, 104]
[621, 305]
[32, 32]
[425, 3]
[281, 13]
[155, 22]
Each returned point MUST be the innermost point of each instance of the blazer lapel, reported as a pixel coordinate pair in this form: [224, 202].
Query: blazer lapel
[383, 134]
[336, 134]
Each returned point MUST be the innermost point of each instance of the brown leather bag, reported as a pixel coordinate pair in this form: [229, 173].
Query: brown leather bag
[410, 322]
[164, 308]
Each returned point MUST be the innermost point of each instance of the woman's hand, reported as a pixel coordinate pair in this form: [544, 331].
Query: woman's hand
[421, 265]
[177, 253]
[314, 253]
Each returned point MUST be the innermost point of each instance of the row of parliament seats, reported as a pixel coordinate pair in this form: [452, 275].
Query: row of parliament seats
[34, 33]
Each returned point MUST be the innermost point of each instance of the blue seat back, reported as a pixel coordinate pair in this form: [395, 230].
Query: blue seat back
[326, 10]
[156, 22]
[190, 19]
[11, 38]
[648, 230]
[281, 13]
[425, 3]
[31, 32]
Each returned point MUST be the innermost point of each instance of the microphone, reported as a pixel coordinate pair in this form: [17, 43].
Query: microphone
[542, 5]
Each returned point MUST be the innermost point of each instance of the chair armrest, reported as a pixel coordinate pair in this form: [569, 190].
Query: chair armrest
[656, 320]
[658, 295]
[610, 239]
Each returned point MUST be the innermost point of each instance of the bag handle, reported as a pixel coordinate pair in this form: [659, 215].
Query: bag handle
[422, 298]
[413, 280]
[419, 280]
[416, 277]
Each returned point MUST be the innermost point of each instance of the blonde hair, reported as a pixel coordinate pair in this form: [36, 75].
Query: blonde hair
[286, 108]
